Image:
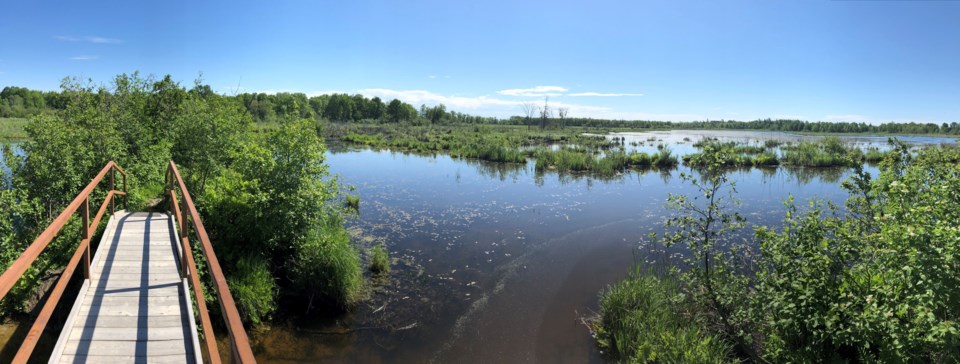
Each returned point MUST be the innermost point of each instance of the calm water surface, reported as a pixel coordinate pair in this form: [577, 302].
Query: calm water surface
[496, 263]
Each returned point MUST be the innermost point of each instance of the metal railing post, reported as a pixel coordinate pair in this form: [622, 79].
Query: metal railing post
[125, 206]
[85, 236]
[113, 173]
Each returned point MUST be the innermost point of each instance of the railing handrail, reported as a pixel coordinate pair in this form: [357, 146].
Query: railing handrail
[20, 266]
[231, 317]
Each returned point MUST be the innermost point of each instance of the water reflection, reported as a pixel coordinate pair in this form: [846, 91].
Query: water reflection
[492, 261]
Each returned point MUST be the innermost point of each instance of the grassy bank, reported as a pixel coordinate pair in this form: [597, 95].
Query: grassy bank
[12, 129]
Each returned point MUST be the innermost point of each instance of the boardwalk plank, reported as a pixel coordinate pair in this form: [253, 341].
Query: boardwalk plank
[103, 359]
[125, 348]
[134, 309]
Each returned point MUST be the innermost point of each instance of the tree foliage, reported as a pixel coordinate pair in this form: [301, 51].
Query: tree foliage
[259, 194]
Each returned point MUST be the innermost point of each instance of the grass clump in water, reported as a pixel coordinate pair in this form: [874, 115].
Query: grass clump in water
[566, 160]
[731, 155]
[352, 202]
[327, 266]
[827, 152]
[646, 319]
[254, 289]
[380, 260]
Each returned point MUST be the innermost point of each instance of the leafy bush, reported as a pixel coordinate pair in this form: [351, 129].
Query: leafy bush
[873, 283]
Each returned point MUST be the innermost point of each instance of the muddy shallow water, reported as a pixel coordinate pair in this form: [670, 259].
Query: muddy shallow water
[497, 263]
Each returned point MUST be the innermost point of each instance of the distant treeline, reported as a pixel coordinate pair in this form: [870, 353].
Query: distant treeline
[22, 102]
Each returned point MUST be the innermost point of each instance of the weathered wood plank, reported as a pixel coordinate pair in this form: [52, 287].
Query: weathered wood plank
[128, 300]
[147, 276]
[125, 348]
[134, 308]
[103, 359]
[128, 334]
[158, 291]
[105, 321]
[151, 264]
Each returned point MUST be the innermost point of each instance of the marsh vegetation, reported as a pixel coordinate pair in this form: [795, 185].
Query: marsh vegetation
[863, 282]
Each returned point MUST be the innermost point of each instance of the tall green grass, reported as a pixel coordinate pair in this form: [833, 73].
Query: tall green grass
[610, 163]
[733, 155]
[379, 260]
[328, 266]
[826, 152]
[12, 129]
[646, 319]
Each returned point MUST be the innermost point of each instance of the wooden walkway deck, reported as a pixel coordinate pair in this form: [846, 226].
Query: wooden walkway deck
[136, 307]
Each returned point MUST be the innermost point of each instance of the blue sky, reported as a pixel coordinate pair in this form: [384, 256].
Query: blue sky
[871, 61]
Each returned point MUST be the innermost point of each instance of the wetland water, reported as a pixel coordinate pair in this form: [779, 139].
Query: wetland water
[496, 263]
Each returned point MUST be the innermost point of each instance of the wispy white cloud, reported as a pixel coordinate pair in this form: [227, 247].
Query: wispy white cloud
[487, 105]
[537, 91]
[541, 91]
[600, 94]
[85, 57]
[483, 105]
[88, 39]
[432, 77]
[417, 97]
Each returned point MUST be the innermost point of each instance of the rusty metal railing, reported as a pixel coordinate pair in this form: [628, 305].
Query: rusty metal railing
[20, 266]
[238, 336]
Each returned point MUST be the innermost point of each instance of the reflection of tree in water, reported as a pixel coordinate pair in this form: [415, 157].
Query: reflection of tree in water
[500, 171]
[568, 177]
[806, 175]
[513, 171]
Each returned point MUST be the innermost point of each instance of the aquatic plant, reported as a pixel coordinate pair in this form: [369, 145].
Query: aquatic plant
[379, 260]
[327, 266]
[827, 152]
[352, 202]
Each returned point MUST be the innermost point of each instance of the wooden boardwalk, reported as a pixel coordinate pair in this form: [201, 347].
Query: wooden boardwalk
[135, 307]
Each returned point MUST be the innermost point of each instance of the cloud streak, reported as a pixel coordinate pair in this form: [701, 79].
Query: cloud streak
[542, 91]
[600, 94]
[485, 104]
[84, 57]
[536, 91]
[88, 39]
